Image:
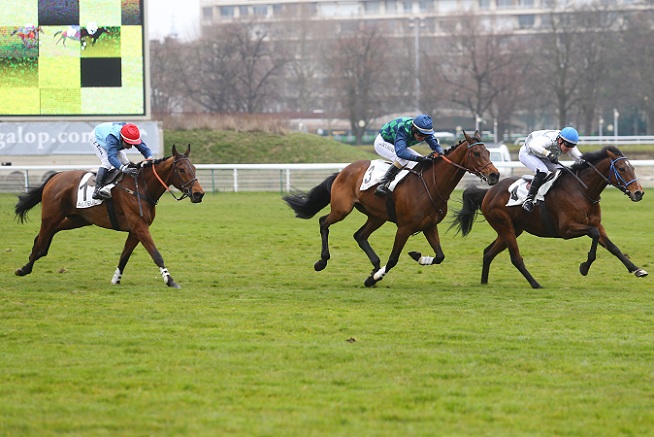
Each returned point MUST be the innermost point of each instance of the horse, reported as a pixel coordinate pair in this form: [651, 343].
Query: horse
[131, 208]
[420, 202]
[29, 35]
[571, 209]
[77, 33]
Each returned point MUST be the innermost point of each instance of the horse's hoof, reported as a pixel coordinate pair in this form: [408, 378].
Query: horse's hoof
[320, 265]
[19, 272]
[415, 255]
[370, 282]
[583, 269]
[173, 284]
[640, 273]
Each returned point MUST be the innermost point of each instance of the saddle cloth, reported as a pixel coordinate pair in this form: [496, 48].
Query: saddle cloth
[378, 169]
[519, 189]
[85, 191]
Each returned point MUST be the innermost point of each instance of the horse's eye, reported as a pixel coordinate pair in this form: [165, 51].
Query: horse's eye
[181, 170]
[475, 153]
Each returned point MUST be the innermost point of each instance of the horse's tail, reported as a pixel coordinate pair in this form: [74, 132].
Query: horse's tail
[306, 205]
[29, 200]
[56, 33]
[465, 217]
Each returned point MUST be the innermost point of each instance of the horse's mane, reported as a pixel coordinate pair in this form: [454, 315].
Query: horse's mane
[596, 156]
[154, 161]
[451, 149]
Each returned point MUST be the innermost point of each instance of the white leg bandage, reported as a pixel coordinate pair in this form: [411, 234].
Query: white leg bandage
[379, 274]
[426, 260]
[117, 276]
[164, 274]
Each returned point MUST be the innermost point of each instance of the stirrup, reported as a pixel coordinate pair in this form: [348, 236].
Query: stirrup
[528, 205]
[381, 191]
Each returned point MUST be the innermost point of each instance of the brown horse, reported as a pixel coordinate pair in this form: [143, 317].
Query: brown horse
[571, 209]
[420, 202]
[131, 209]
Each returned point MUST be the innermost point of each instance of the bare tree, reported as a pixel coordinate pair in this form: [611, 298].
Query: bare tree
[358, 76]
[480, 71]
[166, 76]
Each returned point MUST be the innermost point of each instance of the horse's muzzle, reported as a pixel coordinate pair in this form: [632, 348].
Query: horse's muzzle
[636, 196]
[197, 196]
[493, 178]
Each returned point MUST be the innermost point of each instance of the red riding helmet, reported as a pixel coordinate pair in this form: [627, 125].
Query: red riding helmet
[131, 134]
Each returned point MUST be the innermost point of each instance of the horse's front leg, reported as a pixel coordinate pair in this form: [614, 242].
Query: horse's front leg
[434, 241]
[361, 237]
[401, 237]
[608, 245]
[594, 234]
[142, 234]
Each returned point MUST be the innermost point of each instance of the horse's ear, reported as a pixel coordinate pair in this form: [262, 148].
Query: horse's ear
[467, 137]
[188, 150]
[477, 134]
[174, 150]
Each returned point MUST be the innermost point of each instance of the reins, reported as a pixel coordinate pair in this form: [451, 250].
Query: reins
[184, 188]
[620, 183]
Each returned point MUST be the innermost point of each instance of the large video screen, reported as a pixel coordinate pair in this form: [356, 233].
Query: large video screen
[72, 58]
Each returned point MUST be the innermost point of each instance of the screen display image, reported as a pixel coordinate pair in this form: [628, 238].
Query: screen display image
[72, 58]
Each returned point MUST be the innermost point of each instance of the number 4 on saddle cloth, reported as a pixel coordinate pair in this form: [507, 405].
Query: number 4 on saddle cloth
[520, 188]
[87, 185]
[378, 169]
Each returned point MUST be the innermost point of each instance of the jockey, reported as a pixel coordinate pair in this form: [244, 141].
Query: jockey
[110, 141]
[394, 143]
[540, 154]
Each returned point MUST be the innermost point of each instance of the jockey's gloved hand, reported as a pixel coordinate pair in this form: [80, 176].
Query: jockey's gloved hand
[552, 158]
[434, 155]
[583, 161]
[125, 168]
[422, 158]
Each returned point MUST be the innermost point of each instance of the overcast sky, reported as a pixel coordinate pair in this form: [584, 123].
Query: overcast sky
[181, 15]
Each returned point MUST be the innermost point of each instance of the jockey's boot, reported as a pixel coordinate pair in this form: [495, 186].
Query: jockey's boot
[528, 204]
[100, 181]
[386, 180]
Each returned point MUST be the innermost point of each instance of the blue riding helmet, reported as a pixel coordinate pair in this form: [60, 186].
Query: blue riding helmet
[424, 124]
[569, 135]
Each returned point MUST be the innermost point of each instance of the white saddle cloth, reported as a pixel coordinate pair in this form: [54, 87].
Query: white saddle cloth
[519, 189]
[85, 191]
[378, 169]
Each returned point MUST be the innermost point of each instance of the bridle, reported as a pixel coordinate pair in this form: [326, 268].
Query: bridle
[475, 171]
[620, 183]
[185, 188]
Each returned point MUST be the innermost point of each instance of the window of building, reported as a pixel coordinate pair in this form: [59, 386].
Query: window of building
[407, 6]
[390, 5]
[227, 11]
[526, 3]
[278, 9]
[371, 7]
[526, 21]
[426, 5]
[504, 4]
[260, 10]
[207, 13]
[243, 11]
[484, 4]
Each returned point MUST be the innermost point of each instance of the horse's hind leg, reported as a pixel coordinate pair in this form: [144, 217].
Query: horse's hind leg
[49, 227]
[130, 245]
[361, 237]
[335, 215]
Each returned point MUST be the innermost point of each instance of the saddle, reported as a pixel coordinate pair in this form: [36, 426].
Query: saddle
[376, 171]
[519, 189]
[87, 185]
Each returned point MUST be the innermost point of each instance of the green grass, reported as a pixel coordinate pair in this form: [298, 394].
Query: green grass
[234, 147]
[255, 343]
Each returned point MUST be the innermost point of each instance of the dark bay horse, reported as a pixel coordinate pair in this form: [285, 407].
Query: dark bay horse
[133, 204]
[571, 209]
[420, 202]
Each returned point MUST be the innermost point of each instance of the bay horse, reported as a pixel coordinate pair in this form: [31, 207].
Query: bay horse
[131, 208]
[29, 35]
[571, 209]
[420, 202]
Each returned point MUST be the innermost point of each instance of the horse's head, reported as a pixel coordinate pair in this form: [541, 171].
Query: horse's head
[184, 176]
[622, 175]
[477, 159]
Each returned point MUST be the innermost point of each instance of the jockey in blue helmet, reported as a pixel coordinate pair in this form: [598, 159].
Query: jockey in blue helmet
[540, 154]
[394, 143]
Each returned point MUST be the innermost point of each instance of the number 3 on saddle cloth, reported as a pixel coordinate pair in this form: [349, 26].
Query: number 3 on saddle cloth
[87, 185]
[520, 188]
[378, 169]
